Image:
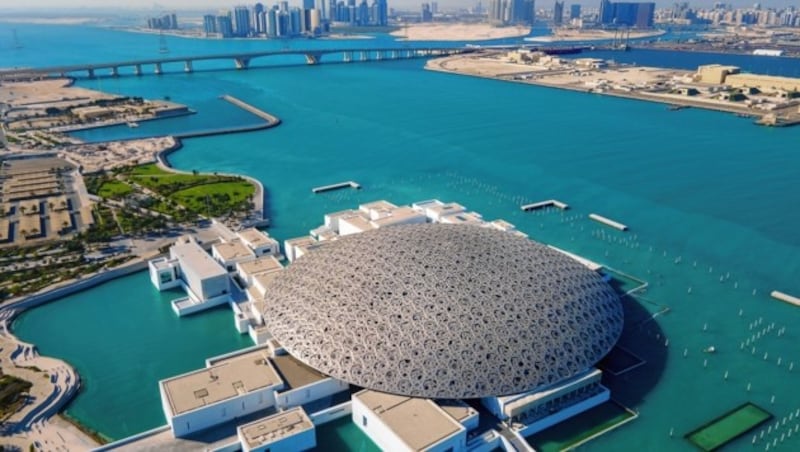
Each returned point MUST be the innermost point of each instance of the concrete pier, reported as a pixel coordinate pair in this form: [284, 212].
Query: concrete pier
[324, 188]
[187, 66]
[608, 222]
[543, 204]
[137, 69]
[271, 120]
[157, 69]
[785, 297]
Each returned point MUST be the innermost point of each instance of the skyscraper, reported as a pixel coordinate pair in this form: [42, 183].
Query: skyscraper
[209, 24]
[224, 26]
[574, 11]
[530, 11]
[241, 21]
[606, 16]
[259, 19]
[558, 13]
[639, 15]
[363, 13]
[497, 11]
[383, 13]
[426, 14]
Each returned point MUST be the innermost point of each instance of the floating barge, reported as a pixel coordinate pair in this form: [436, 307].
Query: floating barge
[348, 184]
[608, 222]
[543, 204]
[785, 297]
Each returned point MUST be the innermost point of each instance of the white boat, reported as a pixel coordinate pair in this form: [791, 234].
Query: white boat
[133, 124]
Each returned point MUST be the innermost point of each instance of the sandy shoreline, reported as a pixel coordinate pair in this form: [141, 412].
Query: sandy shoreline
[40, 422]
[591, 35]
[458, 32]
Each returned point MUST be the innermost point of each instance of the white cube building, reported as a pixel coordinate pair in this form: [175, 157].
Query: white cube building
[233, 387]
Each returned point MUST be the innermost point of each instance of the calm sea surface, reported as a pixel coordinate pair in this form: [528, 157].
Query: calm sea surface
[712, 201]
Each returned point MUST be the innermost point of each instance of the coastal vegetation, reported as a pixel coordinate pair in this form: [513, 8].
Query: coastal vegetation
[180, 196]
[12, 391]
[28, 270]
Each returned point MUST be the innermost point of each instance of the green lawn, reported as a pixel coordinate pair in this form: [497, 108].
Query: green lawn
[182, 196]
[151, 169]
[218, 198]
[114, 189]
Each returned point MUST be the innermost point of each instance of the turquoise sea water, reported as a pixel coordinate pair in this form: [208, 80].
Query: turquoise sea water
[712, 202]
[122, 337]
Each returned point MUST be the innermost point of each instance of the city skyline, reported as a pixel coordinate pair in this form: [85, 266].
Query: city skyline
[211, 5]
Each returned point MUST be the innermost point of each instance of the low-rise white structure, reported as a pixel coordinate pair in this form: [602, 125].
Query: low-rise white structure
[241, 383]
[248, 270]
[302, 384]
[543, 407]
[259, 242]
[399, 423]
[229, 254]
[233, 387]
[288, 431]
[205, 281]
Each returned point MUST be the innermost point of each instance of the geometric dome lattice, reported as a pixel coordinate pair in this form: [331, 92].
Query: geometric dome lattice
[443, 311]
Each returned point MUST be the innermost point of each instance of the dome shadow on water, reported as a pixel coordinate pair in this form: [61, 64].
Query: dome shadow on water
[639, 360]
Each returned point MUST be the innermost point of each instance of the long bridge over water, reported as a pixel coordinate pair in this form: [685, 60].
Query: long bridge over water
[241, 60]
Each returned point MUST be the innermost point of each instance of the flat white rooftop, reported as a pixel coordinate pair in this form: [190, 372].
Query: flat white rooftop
[233, 250]
[226, 379]
[376, 205]
[264, 264]
[462, 217]
[255, 237]
[419, 423]
[276, 427]
[457, 409]
[356, 222]
[445, 209]
[398, 215]
[190, 254]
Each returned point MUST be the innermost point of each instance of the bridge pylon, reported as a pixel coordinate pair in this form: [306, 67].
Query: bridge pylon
[312, 58]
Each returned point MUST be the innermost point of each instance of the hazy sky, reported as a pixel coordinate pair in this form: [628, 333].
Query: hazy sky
[216, 4]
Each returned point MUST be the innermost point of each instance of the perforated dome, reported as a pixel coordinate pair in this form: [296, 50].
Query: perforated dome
[443, 311]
